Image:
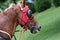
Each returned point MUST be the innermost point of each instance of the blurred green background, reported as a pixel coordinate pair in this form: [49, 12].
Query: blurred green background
[47, 13]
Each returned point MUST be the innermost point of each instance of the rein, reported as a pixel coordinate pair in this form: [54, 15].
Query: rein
[6, 33]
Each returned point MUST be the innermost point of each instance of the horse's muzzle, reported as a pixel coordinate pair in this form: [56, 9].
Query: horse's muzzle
[35, 29]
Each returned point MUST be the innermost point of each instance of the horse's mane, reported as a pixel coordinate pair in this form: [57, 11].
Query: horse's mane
[10, 10]
[10, 6]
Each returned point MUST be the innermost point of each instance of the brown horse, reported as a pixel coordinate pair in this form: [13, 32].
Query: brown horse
[10, 19]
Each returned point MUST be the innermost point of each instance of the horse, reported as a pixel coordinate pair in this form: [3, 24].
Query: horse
[11, 18]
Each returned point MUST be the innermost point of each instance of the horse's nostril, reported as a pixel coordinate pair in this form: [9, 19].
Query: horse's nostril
[39, 28]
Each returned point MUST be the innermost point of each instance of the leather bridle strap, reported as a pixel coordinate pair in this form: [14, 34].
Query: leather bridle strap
[6, 33]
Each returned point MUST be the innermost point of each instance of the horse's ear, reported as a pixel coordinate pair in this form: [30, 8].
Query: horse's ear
[14, 1]
[23, 2]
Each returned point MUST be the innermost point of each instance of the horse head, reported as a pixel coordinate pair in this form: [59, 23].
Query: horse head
[26, 18]
[28, 21]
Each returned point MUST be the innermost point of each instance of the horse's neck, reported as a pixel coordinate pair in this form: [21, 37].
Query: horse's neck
[10, 12]
[12, 16]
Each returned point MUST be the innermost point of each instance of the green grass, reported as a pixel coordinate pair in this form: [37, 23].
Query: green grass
[50, 22]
